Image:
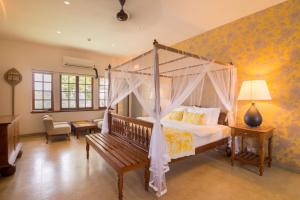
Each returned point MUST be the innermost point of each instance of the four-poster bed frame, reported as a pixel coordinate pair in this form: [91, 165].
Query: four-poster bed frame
[126, 145]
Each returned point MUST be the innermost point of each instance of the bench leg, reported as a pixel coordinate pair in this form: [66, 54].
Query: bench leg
[147, 177]
[87, 150]
[120, 185]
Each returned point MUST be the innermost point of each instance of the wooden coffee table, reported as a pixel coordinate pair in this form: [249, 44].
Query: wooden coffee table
[83, 126]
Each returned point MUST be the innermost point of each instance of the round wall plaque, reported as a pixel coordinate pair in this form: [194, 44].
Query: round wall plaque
[13, 77]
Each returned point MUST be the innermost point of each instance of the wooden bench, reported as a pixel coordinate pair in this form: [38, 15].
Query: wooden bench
[124, 148]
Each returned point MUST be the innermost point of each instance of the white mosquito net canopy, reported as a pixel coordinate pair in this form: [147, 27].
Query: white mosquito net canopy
[163, 79]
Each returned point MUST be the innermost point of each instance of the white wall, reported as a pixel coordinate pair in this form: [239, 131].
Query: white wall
[25, 57]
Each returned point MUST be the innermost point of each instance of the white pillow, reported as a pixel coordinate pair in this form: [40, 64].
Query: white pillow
[214, 116]
[181, 108]
[211, 114]
[198, 110]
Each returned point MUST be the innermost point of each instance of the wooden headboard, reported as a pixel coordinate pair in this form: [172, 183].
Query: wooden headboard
[222, 119]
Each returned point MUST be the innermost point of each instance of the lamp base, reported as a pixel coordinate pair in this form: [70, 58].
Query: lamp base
[253, 117]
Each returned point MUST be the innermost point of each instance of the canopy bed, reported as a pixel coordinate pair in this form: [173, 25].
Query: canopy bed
[162, 80]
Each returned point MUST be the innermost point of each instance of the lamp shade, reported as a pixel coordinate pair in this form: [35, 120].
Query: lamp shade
[254, 90]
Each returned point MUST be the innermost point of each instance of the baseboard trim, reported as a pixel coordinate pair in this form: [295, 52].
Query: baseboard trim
[33, 134]
[286, 167]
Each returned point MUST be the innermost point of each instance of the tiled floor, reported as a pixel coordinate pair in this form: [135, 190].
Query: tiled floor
[60, 170]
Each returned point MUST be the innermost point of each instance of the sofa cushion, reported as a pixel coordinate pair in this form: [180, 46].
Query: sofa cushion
[61, 129]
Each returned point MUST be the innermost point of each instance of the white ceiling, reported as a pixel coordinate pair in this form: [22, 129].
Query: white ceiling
[169, 21]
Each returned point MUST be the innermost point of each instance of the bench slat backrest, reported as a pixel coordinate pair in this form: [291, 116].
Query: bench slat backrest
[134, 131]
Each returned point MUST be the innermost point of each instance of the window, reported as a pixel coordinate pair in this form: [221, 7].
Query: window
[68, 92]
[76, 92]
[103, 92]
[85, 91]
[42, 91]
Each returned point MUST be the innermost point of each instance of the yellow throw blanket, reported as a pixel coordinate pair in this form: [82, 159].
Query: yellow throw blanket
[180, 143]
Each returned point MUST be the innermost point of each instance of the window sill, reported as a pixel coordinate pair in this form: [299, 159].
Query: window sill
[57, 111]
[42, 111]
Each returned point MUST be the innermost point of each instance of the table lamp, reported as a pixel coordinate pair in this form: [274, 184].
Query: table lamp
[254, 90]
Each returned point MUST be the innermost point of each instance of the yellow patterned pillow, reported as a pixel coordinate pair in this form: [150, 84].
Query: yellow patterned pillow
[176, 115]
[193, 118]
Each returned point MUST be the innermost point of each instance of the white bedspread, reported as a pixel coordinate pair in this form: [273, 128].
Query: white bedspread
[203, 134]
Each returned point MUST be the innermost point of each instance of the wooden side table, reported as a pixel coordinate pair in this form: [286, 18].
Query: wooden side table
[262, 134]
[81, 126]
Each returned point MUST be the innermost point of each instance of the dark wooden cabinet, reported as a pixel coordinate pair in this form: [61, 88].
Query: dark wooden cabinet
[10, 147]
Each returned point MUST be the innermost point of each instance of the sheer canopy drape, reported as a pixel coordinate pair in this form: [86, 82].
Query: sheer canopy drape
[162, 79]
[118, 90]
[224, 82]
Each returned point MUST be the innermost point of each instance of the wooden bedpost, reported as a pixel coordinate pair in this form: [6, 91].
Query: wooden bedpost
[156, 76]
[109, 97]
[157, 98]
[109, 81]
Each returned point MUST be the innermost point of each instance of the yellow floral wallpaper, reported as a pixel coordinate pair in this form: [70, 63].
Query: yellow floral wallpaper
[265, 45]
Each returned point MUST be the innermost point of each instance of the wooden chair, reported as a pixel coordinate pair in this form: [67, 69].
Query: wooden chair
[98, 122]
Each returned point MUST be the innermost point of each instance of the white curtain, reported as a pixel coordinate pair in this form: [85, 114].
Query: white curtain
[148, 93]
[118, 90]
[196, 97]
[158, 149]
[182, 88]
[224, 82]
[156, 98]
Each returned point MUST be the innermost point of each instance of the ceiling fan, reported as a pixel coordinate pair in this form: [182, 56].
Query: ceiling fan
[122, 15]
